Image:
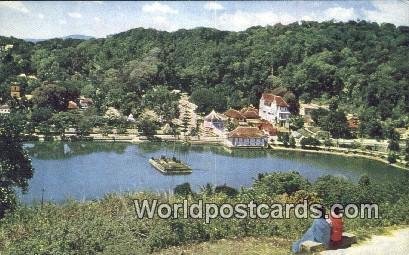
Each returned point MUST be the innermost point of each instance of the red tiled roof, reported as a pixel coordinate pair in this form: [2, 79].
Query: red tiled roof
[269, 128]
[269, 98]
[353, 122]
[250, 112]
[234, 114]
[245, 132]
[72, 105]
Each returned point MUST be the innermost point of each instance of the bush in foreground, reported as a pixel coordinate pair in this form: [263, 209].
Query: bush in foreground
[109, 225]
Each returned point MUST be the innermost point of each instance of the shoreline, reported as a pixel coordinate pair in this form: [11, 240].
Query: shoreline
[355, 155]
[134, 139]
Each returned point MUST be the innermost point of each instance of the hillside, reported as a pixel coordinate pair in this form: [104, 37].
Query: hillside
[361, 65]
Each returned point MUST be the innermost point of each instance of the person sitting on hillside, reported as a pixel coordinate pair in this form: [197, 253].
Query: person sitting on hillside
[320, 231]
[336, 227]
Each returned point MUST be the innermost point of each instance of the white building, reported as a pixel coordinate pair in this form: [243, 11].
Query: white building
[4, 109]
[273, 108]
[246, 137]
[215, 121]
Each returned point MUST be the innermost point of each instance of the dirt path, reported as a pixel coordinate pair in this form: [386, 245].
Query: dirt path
[395, 244]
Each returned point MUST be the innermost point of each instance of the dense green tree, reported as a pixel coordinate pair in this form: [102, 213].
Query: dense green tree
[146, 127]
[336, 124]
[361, 65]
[15, 164]
[279, 183]
[53, 96]
[40, 115]
[284, 138]
[183, 189]
[309, 142]
[163, 101]
[296, 122]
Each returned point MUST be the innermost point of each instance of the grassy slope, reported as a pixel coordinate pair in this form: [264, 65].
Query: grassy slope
[249, 245]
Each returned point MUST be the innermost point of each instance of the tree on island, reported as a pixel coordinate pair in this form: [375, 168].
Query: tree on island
[15, 164]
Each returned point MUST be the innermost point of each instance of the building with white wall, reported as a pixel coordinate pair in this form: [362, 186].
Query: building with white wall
[273, 108]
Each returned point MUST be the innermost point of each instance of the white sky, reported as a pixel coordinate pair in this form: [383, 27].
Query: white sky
[100, 18]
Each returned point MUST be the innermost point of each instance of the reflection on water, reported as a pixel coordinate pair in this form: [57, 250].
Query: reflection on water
[88, 170]
[63, 150]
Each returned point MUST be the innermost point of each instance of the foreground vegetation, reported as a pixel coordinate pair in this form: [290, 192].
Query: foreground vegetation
[109, 225]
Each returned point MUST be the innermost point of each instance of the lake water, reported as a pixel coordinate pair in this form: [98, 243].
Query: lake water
[89, 170]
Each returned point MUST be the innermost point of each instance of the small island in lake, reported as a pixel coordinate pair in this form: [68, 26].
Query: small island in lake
[167, 165]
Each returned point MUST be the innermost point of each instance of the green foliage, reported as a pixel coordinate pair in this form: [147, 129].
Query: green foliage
[328, 143]
[360, 65]
[41, 115]
[108, 226]
[147, 127]
[333, 121]
[296, 122]
[309, 142]
[165, 103]
[231, 125]
[392, 157]
[284, 138]
[292, 142]
[370, 123]
[183, 189]
[393, 145]
[53, 96]
[208, 99]
[229, 191]
[15, 164]
[279, 183]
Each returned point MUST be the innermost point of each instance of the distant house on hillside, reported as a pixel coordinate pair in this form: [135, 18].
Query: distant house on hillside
[307, 109]
[15, 91]
[4, 109]
[352, 122]
[246, 137]
[273, 108]
[72, 105]
[86, 102]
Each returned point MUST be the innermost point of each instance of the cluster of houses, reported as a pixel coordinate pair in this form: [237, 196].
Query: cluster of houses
[253, 126]
[83, 103]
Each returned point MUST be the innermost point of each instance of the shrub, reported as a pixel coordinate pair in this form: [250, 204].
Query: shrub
[229, 191]
[183, 189]
[278, 183]
[309, 142]
[392, 157]
[292, 142]
[284, 138]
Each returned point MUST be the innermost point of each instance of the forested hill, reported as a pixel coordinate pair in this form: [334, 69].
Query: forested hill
[363, 65]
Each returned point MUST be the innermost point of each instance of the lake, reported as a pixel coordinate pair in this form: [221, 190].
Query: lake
[89, 170]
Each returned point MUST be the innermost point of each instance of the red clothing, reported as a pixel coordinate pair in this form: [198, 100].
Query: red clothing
[336, 228]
